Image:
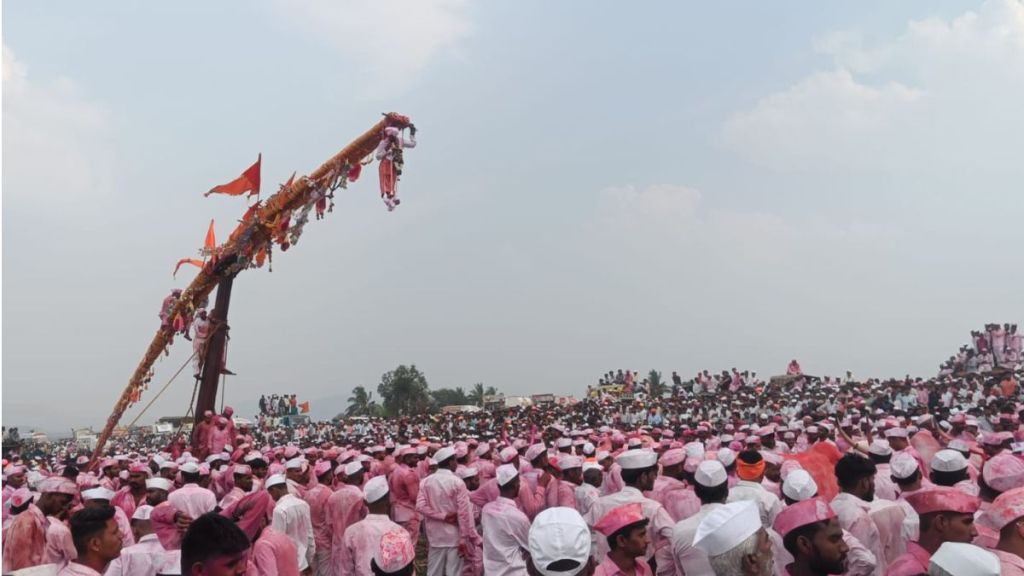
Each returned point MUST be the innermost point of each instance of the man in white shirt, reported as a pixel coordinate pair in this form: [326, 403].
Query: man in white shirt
[750, 466]
[292, 517]
[505, 528]
[711, 484]
[192, 499]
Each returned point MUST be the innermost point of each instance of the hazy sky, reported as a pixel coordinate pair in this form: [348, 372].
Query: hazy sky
[598, 185]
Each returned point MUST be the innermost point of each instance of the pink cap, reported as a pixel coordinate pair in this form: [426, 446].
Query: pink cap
[1009, 506]
[673, 457]
[801, 514]
[535, 451]
[138, 468]
[322, 467]
[20, 496]
[943, 499]
[617, 518]
[1004, 472]
[58, 484]
[291, 452]
[395, 552]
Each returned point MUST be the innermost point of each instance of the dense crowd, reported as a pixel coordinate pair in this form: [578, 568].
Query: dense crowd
[723, 474]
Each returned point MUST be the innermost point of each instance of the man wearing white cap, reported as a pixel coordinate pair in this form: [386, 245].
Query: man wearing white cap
[957, 559]
[505, 528]
[242, 476]
[362, 539]
[711, 485]
[639, 471]
[559, 542]
[344, 508]
[444, 502]
[192, 499]
[98, 497]
[735, 541]
[157, 490]
[147, 557]
[404, 485]
[880, 453]
[292, 518]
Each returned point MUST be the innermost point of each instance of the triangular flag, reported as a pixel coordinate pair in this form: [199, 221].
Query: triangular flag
[211, 239]
[304, 407]
[193, 261]
[249, 182]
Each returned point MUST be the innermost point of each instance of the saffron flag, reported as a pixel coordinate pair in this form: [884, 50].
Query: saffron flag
[211, 239]
[249, 182]
[304, 407]
[193, 261]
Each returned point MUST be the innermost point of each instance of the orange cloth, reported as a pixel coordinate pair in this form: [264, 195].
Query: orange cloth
[749, 471]
[249, 182]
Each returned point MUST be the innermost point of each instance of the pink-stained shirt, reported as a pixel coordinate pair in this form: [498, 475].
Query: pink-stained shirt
[1009, 564]
[913, 562]
[443, 493]
[678, 499]
[192, 499]
[884, 486]
[25, 545]
[530, 501]
[559, 493]
[125, 525]
[485, 469]
[854, 517]
[361, 541]
[147, 558]
[505, 534]
[292, 518]
[586, 495]
[234, 495]
[76, 569]
[609, 568]
[273, 554]
[317, 497]
[612, 480]
[218, 439]
[59, 546]
[126, 501]
[344, 508]
[404, 485]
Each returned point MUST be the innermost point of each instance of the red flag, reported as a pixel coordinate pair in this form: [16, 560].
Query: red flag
[193, 261]
[211, 239]
[249, 182]
[304, 407]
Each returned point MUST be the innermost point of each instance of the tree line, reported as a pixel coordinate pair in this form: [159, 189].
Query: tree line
[405, 391]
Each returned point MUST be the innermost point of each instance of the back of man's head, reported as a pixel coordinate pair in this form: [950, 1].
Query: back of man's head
[213, 545]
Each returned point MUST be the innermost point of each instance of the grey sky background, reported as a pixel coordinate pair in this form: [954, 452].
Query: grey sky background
[597, 186]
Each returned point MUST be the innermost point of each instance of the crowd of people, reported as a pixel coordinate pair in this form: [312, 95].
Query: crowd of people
[723, 475]
[283, 405]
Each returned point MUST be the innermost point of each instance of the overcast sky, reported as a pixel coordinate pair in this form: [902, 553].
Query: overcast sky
[597, 186]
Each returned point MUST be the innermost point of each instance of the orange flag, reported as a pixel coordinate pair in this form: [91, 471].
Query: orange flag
[193, 261]
[211, 239]
[304, 407]
[249, 182]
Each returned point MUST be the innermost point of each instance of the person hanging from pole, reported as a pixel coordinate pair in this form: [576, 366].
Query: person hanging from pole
[201, 333]
[389, 154]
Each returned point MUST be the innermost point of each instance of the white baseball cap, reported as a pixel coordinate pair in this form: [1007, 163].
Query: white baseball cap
[559, 534]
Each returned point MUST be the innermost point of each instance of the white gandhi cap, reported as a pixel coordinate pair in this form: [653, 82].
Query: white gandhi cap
[727, 527]
[505, 473]
[964, 560]
[710, 473]
[375, 489]
[559, 534]
[799, 485]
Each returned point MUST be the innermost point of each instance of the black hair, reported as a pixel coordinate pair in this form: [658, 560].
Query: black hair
[631, 475]
[190, 477]
[908, 480]
[409, 569]
[879, 459]
[257, 463]
[808, 530]
[87, 523]
[625, 531]
[750, 456]
[209, 536]
[851, 469]
[70, 471]
[711, 494]
[949, 478]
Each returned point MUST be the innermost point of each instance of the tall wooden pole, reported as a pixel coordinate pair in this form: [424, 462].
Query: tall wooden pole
[207, 397]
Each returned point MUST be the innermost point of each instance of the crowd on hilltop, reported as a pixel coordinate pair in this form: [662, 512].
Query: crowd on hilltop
[283, 405]
[995, 347]
[719, 474]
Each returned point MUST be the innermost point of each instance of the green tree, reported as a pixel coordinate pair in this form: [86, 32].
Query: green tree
[449, 397]
[361, 403]
[476, 395]
[656, 386]
[404, 391]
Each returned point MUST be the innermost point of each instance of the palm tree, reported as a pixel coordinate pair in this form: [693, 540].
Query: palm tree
[361, 403]
[476, 395]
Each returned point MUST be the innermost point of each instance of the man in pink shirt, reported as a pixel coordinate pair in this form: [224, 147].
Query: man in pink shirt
[444, 502]
[947, 515]
[344, 508]
[317, 498]
[192, 499]
[1007, 516]
[530, 500]
[625, 530]
[220, 436]
[562, 491]
[133, 494]
[362, 539]
[242, 474]
[505, 528]
[97, 541]
[404, 485]
[215, 546]
[675, 495]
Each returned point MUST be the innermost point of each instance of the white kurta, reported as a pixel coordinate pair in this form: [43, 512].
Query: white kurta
[292, 517]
